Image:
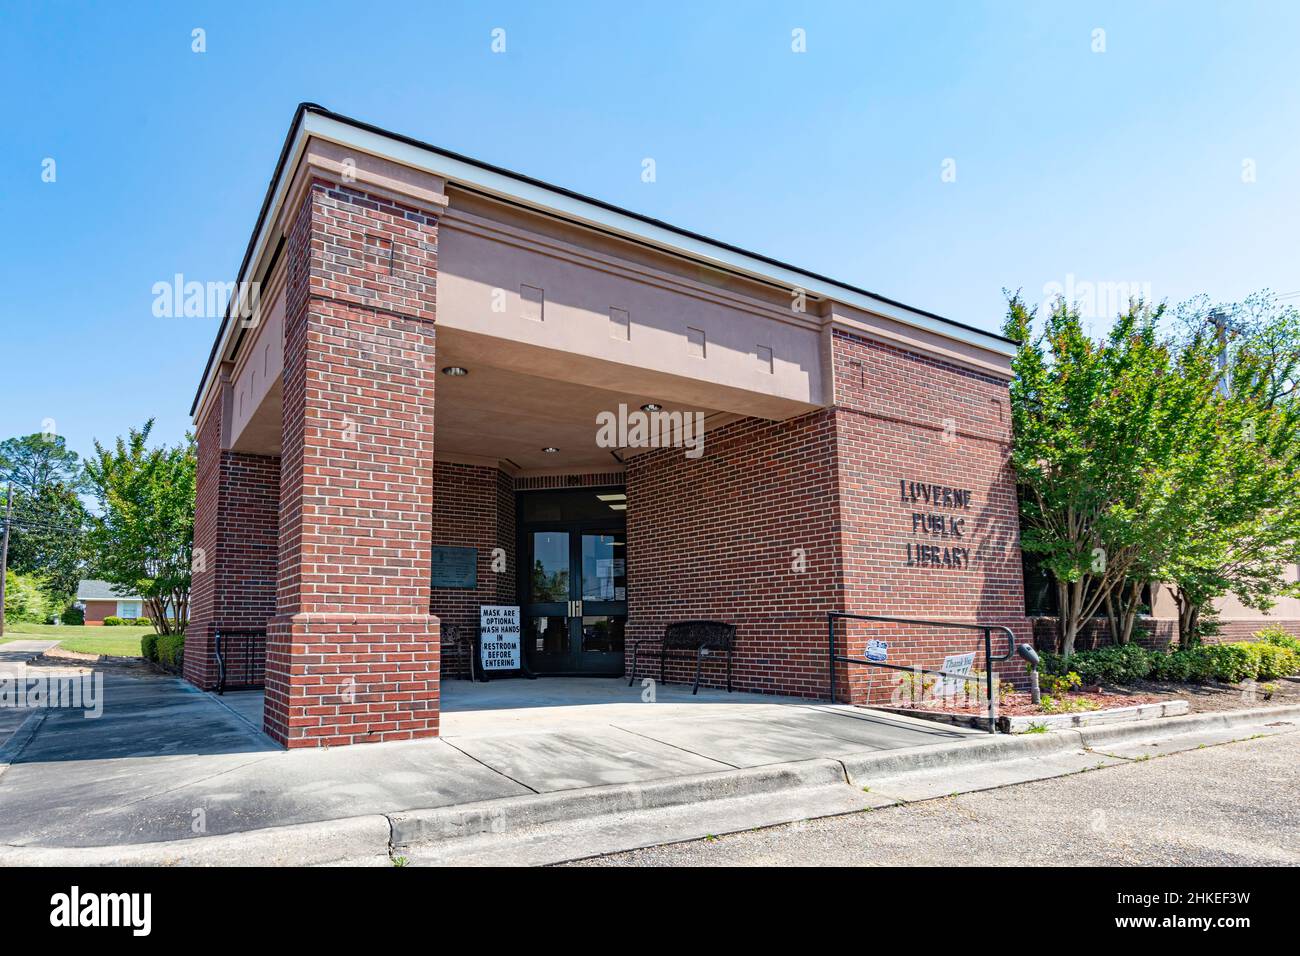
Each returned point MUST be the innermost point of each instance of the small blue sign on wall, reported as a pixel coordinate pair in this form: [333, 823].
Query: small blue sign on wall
[877, 650]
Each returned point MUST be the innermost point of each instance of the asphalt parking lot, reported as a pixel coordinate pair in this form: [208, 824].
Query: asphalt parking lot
[1228, 805]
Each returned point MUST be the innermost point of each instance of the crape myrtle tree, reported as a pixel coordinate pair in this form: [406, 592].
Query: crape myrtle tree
[142, 538]
[1110, 451]
[48, 536]
[1244, 534]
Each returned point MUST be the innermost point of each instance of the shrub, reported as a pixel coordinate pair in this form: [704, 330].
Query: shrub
[1180, 666]
[1230, 663]
[1273, 661]
[1116, 664]
[171, 649]
[73, 615]
[1276, 654]
[24, 599]
[149, 647]
[1059, 685]
[1277, 637]
[113, 621]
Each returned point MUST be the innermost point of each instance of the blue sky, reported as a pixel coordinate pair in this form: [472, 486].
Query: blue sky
[1122, 166]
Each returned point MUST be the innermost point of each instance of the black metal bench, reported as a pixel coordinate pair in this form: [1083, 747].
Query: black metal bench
[457, 642]
[697, 637]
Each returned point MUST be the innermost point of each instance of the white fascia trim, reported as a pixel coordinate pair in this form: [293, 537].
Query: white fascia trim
[569, 207]
[260, 248]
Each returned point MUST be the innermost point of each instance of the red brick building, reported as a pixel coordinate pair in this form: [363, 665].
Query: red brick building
[463, 387]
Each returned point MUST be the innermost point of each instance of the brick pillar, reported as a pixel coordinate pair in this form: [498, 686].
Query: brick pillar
[929, 513]
[352, 653]
[236, 512]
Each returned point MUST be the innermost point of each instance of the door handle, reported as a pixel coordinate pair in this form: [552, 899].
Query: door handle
[577, 609]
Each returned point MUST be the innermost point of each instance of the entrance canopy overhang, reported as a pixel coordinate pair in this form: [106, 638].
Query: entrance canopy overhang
[559, 286]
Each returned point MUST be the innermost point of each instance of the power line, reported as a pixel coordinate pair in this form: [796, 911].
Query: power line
[46, 526]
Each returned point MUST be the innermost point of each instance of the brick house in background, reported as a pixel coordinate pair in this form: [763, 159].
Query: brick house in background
[101, 601]
[406, 429]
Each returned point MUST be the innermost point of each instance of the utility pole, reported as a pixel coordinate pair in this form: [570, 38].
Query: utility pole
[1220, 320]
[4, 553]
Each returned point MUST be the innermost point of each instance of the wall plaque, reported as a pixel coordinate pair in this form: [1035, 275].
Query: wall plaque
[454, 568]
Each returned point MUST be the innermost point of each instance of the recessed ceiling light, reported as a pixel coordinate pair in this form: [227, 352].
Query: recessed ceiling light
[612, 497]
[618, 507]
[550, 449]
[651, 407]
[455, 370]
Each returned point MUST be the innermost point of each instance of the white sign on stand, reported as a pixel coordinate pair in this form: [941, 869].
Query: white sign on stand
[954, 664]
[499, 637]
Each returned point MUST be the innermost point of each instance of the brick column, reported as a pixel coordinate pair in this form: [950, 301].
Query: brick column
[929, 513]
[236, 512]
[352, 653]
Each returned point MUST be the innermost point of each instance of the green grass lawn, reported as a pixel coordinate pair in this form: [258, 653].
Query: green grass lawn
[115, 641]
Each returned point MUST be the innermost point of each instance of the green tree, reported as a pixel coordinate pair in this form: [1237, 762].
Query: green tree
[34, 462]
[142, 538]
[1244, 533]
[1108, 442]
[48, 537]
[25, 599]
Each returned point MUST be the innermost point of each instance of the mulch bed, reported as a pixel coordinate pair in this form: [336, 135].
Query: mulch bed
[1201, 698]
[1205, 698]
[1022, 705]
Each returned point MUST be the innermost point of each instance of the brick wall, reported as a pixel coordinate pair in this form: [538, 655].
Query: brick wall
[779, 523]
[1157, 634]
[236, 543]
[1245, 630]
[352, 654]
[906, 424]
[474, 507]
[96, 611]
[748, 534]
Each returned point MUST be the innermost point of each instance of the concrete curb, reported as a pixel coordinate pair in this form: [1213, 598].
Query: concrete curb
[860, 767]
[370, 838]
[498, 816]
[1173, 726]
[1012, 747]
[303, 844]
[1094, 718]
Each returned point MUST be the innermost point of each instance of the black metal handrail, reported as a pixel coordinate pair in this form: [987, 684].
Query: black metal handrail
[989, 659]
[249, 657]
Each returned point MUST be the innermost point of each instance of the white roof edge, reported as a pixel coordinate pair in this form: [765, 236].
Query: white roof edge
[255, 260]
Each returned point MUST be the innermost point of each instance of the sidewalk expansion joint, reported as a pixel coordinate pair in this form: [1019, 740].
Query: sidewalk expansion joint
[685, 750]
[502, 773]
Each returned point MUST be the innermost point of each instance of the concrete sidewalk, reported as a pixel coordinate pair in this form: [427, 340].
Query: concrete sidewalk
[170, 775]
[168, 762]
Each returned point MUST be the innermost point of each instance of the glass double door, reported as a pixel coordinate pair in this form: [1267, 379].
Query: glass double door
[575, 599]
